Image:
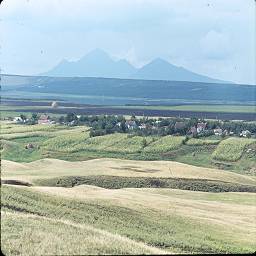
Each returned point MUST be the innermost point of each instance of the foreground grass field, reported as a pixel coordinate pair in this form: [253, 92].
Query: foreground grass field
[39, 232]
[177, 222]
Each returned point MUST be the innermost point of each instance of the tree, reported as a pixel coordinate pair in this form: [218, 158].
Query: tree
[71, 117]
[61, 119]
[123, 126]
[34, 117]
[133, 117]
[23, 117]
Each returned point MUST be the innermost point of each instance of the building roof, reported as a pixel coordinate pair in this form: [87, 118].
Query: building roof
[201, 125]
[179, 125]
[44, 117]
[130, 122]
[193, 129]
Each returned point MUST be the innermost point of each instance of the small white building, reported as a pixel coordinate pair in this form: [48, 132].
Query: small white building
[142, 126]
[201, 127]
[17, 119]
[245, 133]
[131, 125]
[218, 131]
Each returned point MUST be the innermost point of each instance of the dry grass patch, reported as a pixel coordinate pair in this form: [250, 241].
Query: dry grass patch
[50, 168]
[27, 234]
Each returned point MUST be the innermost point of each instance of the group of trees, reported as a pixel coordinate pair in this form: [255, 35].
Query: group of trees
[102, 124]
[106, 124]
[30, 120]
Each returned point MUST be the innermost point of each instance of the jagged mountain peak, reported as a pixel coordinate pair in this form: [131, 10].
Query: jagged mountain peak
[98, 63]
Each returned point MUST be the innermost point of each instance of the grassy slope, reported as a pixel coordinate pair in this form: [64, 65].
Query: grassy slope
[56, 141]
[29, 234]
[52, 168]
[168, 224]
[43, 220]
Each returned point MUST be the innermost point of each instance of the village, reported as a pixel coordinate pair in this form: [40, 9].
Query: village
[102, 125]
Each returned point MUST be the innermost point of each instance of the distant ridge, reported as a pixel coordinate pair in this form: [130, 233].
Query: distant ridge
[98, 63]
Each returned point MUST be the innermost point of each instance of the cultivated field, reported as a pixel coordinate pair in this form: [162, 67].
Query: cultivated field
[232, 149]
[74, 144]
[213, 111]
[107, 193]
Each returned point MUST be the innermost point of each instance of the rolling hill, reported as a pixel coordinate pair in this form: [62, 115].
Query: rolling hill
[112, 91]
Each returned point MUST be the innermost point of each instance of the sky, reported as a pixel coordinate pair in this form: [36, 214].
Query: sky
[210, 37]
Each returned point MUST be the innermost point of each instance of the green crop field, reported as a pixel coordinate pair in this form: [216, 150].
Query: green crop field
[74, 143]
[165, 144]
[201, 142]
[14, 128]
[66, 142]
[232, 149]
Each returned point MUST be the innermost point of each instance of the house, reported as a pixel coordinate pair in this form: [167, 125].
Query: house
[17, 119]
[29, 145]
[201, 127]
[226, 132]
[179, 125]
[218, 131]
[142, 126]
[245, 133]
[72, 123]
[44, 119]
[131, 124]
[193, 131]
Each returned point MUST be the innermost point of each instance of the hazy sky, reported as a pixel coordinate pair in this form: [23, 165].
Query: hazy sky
[211, 37]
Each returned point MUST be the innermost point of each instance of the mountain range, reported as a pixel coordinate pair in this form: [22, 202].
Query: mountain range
[98, 63]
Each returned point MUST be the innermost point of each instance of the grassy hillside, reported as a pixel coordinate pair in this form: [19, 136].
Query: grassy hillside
[86, 213]
[53, 168]
[31, 229]
[118, 201]
[125, 91]
[56, 141]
